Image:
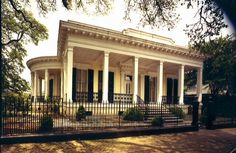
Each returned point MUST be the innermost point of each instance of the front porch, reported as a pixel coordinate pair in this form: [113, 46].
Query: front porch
[154, 82]
[105, 63]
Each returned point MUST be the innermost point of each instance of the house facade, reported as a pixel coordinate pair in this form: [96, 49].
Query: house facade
[103, 65]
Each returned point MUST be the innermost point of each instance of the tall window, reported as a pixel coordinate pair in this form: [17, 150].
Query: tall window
[82, 80]
[153, 89]
[128, 83]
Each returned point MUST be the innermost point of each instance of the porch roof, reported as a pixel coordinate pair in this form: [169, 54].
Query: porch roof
[127, 36]
[42, 59]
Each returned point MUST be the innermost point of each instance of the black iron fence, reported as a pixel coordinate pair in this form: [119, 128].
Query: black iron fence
[218, 110]
[21, 116]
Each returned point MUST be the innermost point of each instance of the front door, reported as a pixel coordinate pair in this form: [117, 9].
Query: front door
[74, 84]
[153, 90]
[175, 99]
[111, 87]
[50, 88]
[169, 90]
[100, 75]
[90, 85]
[147, 89]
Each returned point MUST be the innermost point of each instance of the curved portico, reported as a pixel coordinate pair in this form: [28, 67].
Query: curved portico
[45, 76]
[98, 60]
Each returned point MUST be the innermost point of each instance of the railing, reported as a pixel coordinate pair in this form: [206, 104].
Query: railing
[140, 100]
[81, 97]
[124, 98]
[170, 99]
[43, 99]
[97, 97]
[22, 116]
[218, 111]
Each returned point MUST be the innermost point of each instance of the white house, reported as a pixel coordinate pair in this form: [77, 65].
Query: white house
[102, 63]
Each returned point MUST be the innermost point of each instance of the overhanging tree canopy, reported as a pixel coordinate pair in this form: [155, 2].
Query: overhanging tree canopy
[19, 27]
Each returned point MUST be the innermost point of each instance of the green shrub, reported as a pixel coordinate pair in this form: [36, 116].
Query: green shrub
[56, 108]
[178, 112]
[46, 124]
[133, 114]
[158, 121]
[80, 114]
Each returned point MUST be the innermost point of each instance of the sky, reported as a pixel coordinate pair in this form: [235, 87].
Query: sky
[114, 20]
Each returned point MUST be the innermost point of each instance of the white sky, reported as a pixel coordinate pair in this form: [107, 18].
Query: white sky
[114, 20]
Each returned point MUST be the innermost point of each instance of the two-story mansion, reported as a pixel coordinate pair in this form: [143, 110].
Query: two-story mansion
[100, 64]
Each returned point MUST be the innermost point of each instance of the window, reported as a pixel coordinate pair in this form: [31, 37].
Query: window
[82, 80]
[128, 81]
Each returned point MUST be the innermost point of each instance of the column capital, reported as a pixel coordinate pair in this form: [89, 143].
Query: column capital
[136, 57]
[161, 62]
[70, 49]
[181, 66]
[200, 68]
[106, 53]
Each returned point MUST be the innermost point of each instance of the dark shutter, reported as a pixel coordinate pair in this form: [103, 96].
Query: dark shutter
[50, 88]
[74, 81]
[111, 87]
[100, 75]
[147, 89]
[90, 85]
[169, 90]
[175, 91]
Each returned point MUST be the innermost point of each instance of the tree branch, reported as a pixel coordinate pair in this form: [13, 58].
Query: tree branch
[21, 12]
[19, 37]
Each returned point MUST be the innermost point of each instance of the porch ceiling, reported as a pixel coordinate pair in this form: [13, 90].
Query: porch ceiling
[91, 57]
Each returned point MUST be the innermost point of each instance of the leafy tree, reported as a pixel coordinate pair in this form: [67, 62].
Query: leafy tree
[163, 13]
[19, 27]
[220, 64]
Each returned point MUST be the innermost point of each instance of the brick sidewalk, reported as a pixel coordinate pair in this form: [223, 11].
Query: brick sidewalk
[215, 141]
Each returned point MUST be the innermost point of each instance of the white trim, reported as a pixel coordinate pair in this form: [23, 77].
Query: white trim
[100, 45]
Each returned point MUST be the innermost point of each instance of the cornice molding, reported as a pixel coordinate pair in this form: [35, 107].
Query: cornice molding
[84, 30]
[42, 59]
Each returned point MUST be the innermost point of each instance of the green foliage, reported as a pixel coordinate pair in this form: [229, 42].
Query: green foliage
[56, 108]
[46, 124]
[209, 17]
[178, 112]
[133, 114]
[81, 113]
[16, 105]
[158, 121]
[219, 67]
[20, 27]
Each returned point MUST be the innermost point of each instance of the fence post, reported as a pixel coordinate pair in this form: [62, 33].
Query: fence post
[195, 113]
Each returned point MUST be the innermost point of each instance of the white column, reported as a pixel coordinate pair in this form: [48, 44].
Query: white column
[105, 77]
[35, 86]
[62, 83]
[64, 80]
[32, 84]
[142, 86]
[46, 84]
[199, 84]
[181, 84]
[159, 82]
[122, 82]
[69, 73]
[135, 79]
[38, 86]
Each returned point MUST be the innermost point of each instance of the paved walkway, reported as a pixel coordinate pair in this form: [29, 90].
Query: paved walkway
[210, 141]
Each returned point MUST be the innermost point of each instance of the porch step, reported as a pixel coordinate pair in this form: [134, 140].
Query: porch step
[150, 112]
[166, 119]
